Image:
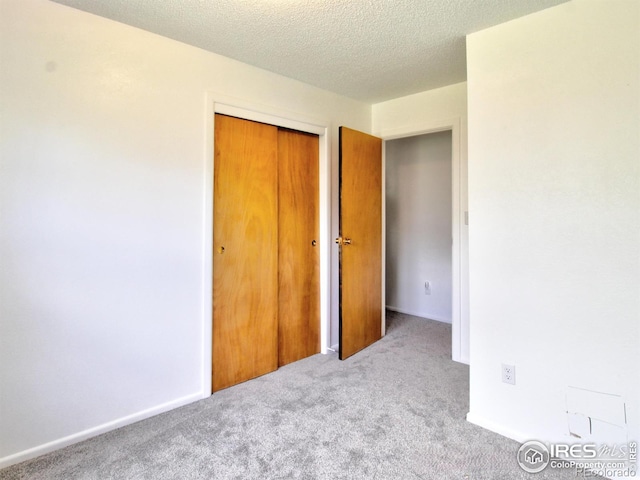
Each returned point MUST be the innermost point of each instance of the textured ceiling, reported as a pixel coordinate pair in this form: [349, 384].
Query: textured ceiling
[370, 50]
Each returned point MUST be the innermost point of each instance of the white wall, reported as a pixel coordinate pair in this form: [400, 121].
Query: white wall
[102, 190]
[554, 195]
[431, 111]
[421, 110]
[418, 225]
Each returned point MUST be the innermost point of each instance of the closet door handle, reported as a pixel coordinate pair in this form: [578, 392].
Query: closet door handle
[313, 243]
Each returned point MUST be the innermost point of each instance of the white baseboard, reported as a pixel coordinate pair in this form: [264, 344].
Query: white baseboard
[426, 315]
[498, 428]
[92, 432]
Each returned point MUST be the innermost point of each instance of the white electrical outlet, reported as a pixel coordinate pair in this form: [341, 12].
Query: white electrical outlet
[509, 374]
[427, 288]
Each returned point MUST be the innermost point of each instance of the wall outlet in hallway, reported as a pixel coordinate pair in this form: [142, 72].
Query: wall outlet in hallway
[427, 288]
[509, 374]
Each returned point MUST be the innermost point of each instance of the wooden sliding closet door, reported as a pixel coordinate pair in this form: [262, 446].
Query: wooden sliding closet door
[245, 243]
[298, 250]
[266, 261]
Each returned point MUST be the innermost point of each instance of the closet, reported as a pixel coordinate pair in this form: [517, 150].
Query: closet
[266, 269]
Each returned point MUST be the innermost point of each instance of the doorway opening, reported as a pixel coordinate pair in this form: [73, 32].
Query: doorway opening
[459, 224]
[418, 194]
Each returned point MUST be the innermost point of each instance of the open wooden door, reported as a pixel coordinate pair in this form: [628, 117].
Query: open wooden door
[360, 241]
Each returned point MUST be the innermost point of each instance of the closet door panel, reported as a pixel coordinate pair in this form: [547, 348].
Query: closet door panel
[298, 246]
[245, 244]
